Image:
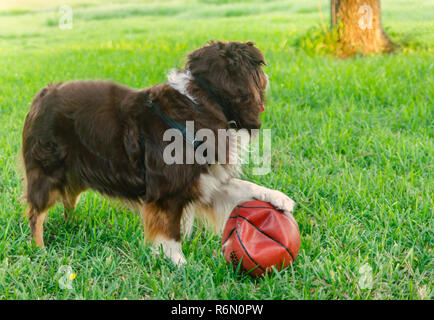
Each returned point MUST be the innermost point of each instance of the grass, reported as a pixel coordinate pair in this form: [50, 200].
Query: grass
[352, 144]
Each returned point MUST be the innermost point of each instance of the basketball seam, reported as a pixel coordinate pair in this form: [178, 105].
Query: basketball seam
[278, 210]
[241, 206]
[267, 235]
[245, 250]
[229, 235]
[232, 231]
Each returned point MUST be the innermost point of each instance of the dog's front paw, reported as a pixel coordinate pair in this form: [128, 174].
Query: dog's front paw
[178, 259]
[172, 250]
[279, 200]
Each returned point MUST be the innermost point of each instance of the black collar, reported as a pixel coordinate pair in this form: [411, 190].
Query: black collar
[172, 123]
[232, 123]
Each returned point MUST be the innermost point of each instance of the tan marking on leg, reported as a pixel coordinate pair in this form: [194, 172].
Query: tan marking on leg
[154, 221]
[163, 230]
[38, 233]
[36, 219]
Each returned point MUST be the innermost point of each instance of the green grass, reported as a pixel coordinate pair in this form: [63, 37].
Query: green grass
[352, 144]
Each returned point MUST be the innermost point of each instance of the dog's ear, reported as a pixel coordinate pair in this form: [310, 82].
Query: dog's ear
[253, 54]
[237, 53]
[257, 55]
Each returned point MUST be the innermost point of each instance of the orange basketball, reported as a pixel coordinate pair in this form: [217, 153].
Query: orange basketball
[260, 236]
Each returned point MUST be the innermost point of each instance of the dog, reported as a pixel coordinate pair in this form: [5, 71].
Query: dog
[103, 136]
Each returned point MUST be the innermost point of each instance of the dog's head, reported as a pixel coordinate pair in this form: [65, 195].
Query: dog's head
[234, 72]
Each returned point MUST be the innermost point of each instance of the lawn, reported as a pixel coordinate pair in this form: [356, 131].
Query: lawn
[352, 145]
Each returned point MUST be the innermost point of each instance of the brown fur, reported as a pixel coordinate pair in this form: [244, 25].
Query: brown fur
[101, 135]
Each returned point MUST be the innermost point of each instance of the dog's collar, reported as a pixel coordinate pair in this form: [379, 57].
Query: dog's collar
[173, 124]
[232, 123]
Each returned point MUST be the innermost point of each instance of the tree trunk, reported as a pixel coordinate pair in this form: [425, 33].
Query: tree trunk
[358, 23]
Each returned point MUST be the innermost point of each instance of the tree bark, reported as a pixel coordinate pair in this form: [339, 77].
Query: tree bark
[358, 23]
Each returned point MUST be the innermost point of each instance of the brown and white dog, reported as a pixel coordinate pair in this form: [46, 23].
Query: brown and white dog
[104, 136]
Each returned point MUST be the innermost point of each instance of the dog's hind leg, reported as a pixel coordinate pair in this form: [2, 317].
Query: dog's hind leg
[70, 198]
[41, 195]
[36, 221]
[163, 228]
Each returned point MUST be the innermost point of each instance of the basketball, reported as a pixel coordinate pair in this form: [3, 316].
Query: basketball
[260, 236]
